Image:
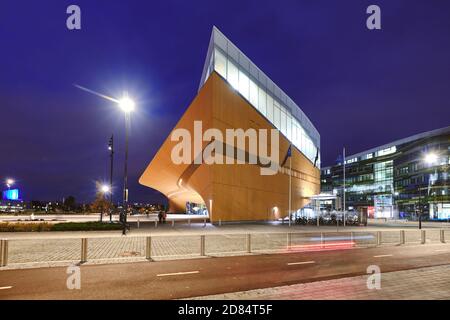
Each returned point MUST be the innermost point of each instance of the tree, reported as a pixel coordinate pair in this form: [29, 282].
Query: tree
[100, 204]
[69, 203]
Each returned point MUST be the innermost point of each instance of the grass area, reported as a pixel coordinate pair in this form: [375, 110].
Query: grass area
[65, 226]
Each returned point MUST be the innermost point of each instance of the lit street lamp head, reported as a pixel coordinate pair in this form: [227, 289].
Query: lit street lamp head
[431, 158]
[9, 183]
[126, 104]
[105, 189]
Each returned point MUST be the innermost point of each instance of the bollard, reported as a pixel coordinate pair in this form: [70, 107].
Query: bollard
[289, 240]
[351, 237]
[442, 236]
[148, 248]
[173, 223]
[422, 237]
[156, 223]
[220, 222]
[3, 252]
[189, 222]
[84, 250]
[321, 240]
[202, 245]
[138, 223]
[204, 222]
[249, 243]
[402, 236]
[378, 238]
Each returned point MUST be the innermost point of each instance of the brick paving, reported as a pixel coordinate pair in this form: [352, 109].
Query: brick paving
[431, 283]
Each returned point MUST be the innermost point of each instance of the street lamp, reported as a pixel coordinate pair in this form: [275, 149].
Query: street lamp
[9, 183]
[105, 189]
[111, 156]
[430, 159]
[127, 105]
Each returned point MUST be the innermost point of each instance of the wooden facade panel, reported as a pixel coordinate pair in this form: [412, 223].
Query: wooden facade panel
[236, 192]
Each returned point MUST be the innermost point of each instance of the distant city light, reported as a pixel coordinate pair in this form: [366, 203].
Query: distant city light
[9, 183]
[11, 194]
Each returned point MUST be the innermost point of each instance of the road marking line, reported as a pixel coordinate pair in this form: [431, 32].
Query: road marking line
[441, 250]
[302, 262]
[176, 273]
[4, 288]
[383, 255]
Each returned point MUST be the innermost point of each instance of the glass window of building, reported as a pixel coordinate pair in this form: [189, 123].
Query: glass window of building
[253, 94]
[262, 101]
[233, 75]
[244, 84]
[283, 123]
[276, 115]
[289, 126]
[220, 63]
[260, 91]
[270, 108]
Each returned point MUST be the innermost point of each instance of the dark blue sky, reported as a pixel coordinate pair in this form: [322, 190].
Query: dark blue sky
[360, 88]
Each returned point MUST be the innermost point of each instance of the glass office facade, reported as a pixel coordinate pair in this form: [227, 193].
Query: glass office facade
[396, 180]
[253, 85]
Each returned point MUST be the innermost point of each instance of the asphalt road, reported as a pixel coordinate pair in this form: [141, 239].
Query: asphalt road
[206, 276]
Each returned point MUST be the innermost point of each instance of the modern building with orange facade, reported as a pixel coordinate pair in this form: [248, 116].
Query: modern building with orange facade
[235, 94]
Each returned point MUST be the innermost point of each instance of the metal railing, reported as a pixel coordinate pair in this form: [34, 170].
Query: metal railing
[171, 221]
[19, 251]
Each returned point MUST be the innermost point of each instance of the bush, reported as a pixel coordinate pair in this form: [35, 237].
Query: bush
[25, 227]
[86, 226]
[66, 226]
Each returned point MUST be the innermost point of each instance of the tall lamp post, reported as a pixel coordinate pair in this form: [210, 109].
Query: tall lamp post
[430, 159]
[111, 155]
[104, 190]
[343, 187]
[127, 105]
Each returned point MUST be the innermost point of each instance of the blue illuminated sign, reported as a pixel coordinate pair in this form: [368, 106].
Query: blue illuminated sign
[12, 194]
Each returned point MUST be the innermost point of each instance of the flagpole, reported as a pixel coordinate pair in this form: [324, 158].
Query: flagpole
[290, 185]
[343, 209]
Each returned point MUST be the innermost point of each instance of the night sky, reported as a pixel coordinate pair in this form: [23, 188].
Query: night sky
[360, 88]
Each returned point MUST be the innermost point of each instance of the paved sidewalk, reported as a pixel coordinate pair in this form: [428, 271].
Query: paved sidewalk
[173, 243]
[197, 228]
[429, 283]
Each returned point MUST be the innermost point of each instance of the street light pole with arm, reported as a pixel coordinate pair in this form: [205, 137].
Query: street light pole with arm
[127, 105]
[111, 155]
